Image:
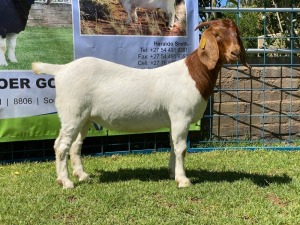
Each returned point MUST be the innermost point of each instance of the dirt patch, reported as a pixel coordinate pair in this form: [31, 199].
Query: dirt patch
[101, 18]
[275, 200]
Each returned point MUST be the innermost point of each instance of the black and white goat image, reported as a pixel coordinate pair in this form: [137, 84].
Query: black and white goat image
[13, 19]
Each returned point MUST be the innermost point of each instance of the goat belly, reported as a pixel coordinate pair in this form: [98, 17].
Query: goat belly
[148, 4]
[135, 123]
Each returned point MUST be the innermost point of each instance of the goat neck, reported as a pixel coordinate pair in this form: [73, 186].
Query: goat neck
[205, 79]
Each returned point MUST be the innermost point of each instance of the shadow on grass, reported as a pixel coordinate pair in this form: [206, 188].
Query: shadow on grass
[197, 176]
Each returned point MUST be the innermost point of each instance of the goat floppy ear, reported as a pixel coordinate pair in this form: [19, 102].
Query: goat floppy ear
[208, 50]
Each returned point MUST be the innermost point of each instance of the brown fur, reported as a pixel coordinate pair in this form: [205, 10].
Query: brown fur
[204, 78]
[205, 63]
[209, 54]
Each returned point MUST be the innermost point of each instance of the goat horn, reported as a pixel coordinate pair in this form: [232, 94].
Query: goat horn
[203, 24]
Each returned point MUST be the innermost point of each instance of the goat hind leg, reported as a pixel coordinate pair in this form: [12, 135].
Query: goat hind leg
[3, 61]
[75, 154]
[135, 16]
[12, 42]
[172, 159]
[62, 146]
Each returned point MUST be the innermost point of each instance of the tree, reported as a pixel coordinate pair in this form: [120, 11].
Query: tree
[284, 24]
[209, 3]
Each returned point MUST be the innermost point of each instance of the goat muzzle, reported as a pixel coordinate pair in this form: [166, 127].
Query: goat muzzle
[235, 54]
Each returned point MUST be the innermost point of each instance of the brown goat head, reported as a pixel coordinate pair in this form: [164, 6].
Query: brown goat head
[221, 43]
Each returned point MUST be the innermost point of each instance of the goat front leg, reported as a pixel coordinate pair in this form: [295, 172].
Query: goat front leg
[179, 138]
[127, 7]
[75, 154]
[171, 17]
[2, 52]
[11, 43]
[135, 16]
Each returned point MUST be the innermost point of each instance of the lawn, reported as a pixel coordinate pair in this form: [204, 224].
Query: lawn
[52, 45]
[230, 187]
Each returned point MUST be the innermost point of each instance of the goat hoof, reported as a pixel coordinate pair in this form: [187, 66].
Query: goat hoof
[4, 64]
[81, 176]
[67, 184]
[183, 182]
[13, 60]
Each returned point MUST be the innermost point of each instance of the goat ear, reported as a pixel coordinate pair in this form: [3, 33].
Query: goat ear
[208, 50]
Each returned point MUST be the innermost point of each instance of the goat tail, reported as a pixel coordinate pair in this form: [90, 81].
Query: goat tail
[45, 68]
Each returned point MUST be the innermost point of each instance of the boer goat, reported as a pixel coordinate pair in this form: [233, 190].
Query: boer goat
[168, 6]
[135, 100]
[13, 19]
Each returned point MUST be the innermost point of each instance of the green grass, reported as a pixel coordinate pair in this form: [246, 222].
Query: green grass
[230, 187]
[52, 45]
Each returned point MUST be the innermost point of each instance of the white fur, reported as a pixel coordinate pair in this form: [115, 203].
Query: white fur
[124, 99]
[3, 61]
[166, 5]
[9, 44]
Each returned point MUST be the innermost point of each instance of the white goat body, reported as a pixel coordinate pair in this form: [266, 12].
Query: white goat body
[128, 99]
[123, 98]
[168, 6]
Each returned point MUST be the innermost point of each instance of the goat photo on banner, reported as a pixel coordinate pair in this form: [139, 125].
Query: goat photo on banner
[133, 17]
[31, 30]
[13, 19]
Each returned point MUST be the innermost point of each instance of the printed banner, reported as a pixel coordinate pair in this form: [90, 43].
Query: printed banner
[146, 37]
[147, 44]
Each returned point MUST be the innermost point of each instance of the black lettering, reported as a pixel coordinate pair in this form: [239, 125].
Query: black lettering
[48, 100]
[41, 83]
[24, 82]
[51, 83]
[13, 83]
[3, 83]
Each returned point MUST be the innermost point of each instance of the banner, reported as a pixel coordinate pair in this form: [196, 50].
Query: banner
[146, 38]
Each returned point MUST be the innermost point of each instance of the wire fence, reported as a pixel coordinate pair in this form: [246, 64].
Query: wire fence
[248, 110]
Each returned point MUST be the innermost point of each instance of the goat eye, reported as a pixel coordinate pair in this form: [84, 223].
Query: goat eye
[218, 37]
[216, 34]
